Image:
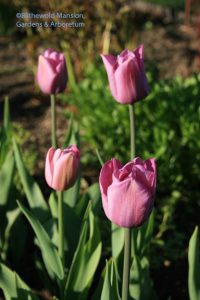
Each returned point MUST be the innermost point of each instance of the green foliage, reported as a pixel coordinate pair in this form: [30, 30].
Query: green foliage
[31, 188]
[178, 4]
[86, 259]
[7, 16]
[167, 128]
[194, 266]
[169, 111]
[141, 287]
[110, 285]
[13, 286]
[82, 244]
[50, 254]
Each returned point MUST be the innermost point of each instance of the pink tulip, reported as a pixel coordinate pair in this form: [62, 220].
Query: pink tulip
[128, 191]
[61, 167]
[126, 75]
[51, 73]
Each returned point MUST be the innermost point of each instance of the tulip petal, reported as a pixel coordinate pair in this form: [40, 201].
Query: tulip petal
[65, 172]
[125, 78]
[49, 166]
[45, 75]
[54, 55]
[47, 52]
[150, 165]
[57, 154]
[105, 180]
[129, 203]
[110, 63]
[139, 53]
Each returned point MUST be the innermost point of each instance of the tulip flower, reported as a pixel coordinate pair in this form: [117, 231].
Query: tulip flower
[61, 167]
[128, 191]
[51, 73]
[126, 75]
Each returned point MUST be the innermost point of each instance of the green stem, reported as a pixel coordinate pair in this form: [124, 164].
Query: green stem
[53, 120]
[127, 231]
[132, 130]
[61, 228]
[126, 269]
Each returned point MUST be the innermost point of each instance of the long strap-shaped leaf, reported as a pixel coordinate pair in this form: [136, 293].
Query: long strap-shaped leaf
[194, 266]
[13, 286]
[31, 188]
[110, 285]
[6, 176]
[85, 261]
[49, 251]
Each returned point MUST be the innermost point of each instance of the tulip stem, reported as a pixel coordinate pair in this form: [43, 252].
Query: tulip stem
[61, 228]
[132, 130]
[127, 231]
[53, 120]
[126, 269]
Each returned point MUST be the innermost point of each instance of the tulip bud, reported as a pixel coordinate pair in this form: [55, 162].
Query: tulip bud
[128, 191]
[61, 167]
[51, 73]
[126, 75]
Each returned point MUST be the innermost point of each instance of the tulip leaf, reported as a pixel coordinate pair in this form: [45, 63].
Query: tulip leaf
[92, 195]
[117, 240]
[141, 287]
[142, 236]
[5, 132]
[95, 197]
[31, 188]
[6, 177]
[14, 228]
[110, 286]
[71, 220]
[99, 157]
[49, 252]
[13, 286]
[85, 261]
[194, 266]
[69, 132]
[6, 116]
[53, 204]
[70, 196]
[72, 137]
[97, 293]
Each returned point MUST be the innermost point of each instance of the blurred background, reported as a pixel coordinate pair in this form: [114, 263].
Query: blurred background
[167, 122]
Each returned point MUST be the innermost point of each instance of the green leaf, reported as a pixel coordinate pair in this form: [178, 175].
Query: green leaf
[73, 137]
[110, 286]
[95, 197]
[6, 116]
[117, 240]
[99, 157]
[194, 266]
[70, 196]
[141, 287]
[97, 293]
[6, 178]
[5, 132]
[85, 261]
[53, 204]
[142, 236]
[69, 134]
[13, 286]
[49, 251]
[31, 188]
[71, 220]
